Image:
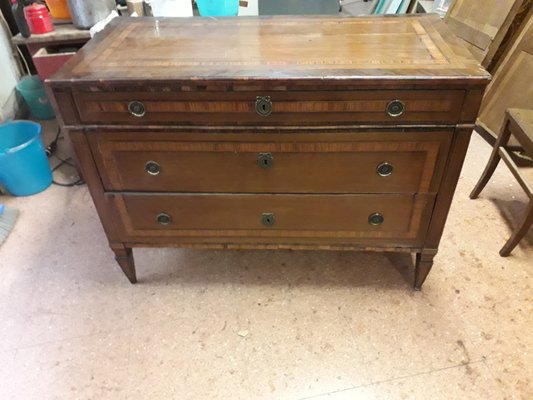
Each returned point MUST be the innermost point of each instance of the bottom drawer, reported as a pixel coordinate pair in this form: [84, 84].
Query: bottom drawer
[274, 216]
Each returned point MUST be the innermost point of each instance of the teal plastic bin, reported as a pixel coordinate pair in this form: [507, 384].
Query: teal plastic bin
[24, 168]
[31, 88]
[218, 8]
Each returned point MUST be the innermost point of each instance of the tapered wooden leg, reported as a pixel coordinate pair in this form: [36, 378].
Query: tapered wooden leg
[424, 262]
[520, 232]
[124, 257]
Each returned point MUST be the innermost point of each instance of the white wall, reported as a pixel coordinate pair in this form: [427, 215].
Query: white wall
[252, 8]
[9, 75]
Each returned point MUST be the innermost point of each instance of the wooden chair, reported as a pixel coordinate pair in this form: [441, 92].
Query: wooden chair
[519, 124]
[485, 25]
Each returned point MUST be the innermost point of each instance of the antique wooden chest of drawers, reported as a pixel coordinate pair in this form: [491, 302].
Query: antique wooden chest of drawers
[272, 133]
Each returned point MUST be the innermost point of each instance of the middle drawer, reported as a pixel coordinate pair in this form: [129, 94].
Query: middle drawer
[406, 163]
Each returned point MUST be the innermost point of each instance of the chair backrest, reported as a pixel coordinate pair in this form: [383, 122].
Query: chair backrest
[483, 24]
[511, 85]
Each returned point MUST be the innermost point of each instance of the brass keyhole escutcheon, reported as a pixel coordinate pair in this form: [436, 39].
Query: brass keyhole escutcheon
[263, 105]
[163, 219]
[376, 219]
[384, 169]
[268, 219]
[152, 168]
[396, 108]
[137, 109]
[265, 160]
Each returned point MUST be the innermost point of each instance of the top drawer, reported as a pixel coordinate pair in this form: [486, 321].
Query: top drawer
[372, 107]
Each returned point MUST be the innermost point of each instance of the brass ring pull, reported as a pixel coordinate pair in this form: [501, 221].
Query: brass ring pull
[384, 169]
[395, 108]
[376, 219]
[268, 219]
[265, 160]
[263, 106]
[137, 109]
[163, 219]
[152, 168]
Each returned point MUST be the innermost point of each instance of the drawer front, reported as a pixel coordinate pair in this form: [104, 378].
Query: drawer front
[401, 163]
[342, 217]
[271, 108]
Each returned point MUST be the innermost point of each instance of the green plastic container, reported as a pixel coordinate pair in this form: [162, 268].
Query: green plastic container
[31, 88]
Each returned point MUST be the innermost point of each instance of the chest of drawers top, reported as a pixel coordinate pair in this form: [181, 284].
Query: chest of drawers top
[275, 53]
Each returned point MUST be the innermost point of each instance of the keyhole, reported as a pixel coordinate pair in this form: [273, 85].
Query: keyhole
[265, 160]
[268, 219]
[263, 106]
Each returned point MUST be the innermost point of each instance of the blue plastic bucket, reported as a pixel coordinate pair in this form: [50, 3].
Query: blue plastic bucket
[218, 8]
[24, 168]
[31, 88]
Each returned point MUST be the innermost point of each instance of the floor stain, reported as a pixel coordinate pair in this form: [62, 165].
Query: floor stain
[466, 361]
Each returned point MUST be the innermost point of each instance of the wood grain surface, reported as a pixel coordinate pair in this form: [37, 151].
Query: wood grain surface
[288, 108]
[345, 164]
[237, 215]
[273, 48]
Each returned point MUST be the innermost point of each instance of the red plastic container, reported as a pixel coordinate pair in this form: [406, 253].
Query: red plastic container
[38, 19]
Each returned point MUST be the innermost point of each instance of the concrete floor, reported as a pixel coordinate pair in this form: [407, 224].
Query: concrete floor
[265, 325]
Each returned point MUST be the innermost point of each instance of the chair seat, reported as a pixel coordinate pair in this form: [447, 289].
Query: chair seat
[524, 122]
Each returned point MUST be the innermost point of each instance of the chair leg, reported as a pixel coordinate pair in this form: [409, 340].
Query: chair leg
[487, 173]
[520, 232]
[494, 159]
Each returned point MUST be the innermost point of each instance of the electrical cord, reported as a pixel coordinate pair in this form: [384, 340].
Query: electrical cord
[51, 152]
[52, 147]
[62, 162]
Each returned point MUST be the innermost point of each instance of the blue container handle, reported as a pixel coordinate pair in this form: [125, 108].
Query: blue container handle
[36, 136]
